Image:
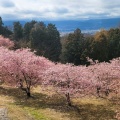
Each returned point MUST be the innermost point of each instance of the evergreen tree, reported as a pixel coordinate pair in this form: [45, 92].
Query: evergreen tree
[114, 43]
[17, 31]
[99, 46]
[27, 29]
[38, 37]
[4, 30]
[1, 26]
[46, 40]
[53, 45]
[74, 47]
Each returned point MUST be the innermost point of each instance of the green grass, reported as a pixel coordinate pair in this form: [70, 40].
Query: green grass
[47, 105]
[36, 114]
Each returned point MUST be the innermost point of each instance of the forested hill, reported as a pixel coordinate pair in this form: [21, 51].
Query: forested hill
[87, 26]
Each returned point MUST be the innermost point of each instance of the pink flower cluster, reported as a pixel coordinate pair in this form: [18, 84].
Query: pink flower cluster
[6, 42]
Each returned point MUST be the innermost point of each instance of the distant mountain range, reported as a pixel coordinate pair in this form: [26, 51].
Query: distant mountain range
[86, 26]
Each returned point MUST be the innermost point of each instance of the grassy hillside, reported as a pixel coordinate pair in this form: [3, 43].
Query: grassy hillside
[47, 105]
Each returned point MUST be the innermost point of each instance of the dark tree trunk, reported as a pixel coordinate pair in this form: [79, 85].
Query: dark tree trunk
[28, 92]
[107, 91]
[98, 91]
[68, 99]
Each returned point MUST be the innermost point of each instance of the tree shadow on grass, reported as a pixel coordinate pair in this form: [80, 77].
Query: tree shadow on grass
[58, 103]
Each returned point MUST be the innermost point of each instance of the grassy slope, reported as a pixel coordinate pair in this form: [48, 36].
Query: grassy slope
[46, 105]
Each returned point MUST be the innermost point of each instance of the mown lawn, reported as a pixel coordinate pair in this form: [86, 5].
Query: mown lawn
[47, 105]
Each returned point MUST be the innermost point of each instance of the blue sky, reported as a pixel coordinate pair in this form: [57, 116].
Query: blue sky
[59, 9]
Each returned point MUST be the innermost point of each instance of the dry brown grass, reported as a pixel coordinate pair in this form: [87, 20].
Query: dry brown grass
[47, 105]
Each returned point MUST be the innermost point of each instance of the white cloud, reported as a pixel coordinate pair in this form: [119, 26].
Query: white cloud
[59, 9]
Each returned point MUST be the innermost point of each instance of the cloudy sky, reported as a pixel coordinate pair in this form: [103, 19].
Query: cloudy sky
[59, 9]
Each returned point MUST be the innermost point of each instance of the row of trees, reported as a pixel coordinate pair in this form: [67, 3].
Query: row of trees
[103, 46]
[4, 29]
[22, 68]
[44, 39]
[36, 35]
[72, 48]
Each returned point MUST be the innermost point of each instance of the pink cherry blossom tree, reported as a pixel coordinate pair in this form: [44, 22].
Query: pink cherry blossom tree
[106, 76]
[31, 69]
[101, 76]
[69, 80]
[22, 68]
[6, 42]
